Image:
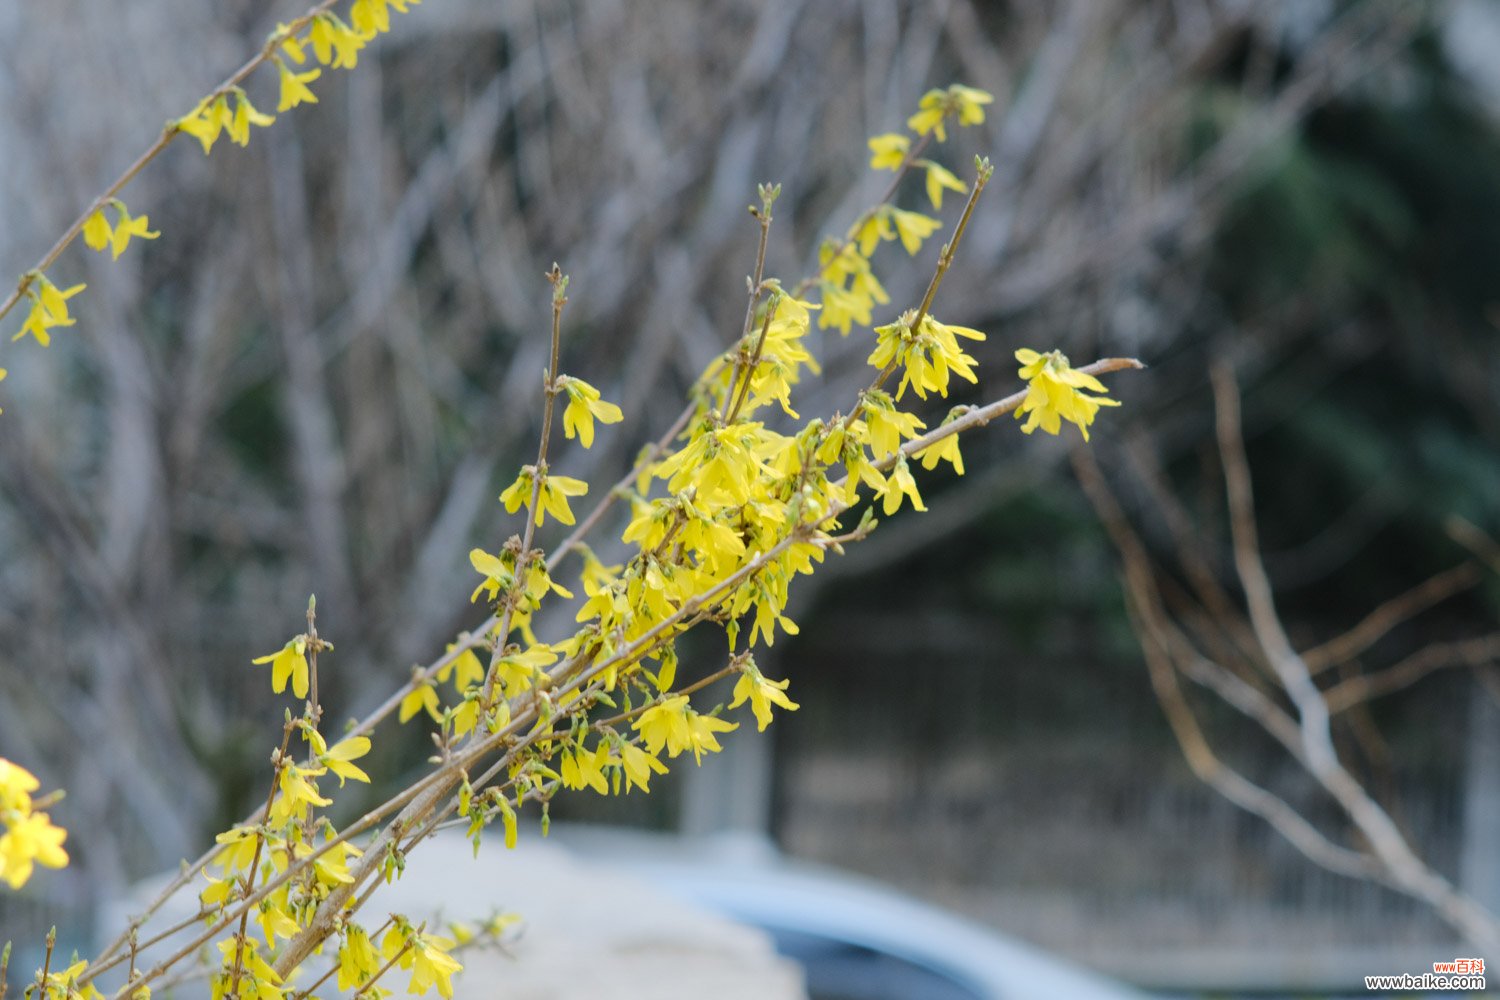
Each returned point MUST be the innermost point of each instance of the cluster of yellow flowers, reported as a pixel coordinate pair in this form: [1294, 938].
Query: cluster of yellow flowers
[847, 287]
[721, 523]
[29, 838]
[335, 43]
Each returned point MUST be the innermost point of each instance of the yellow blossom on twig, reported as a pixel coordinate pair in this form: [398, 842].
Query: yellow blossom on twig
[1055, 393]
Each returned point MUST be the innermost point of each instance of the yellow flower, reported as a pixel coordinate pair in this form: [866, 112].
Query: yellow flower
[290, 42]
[517, 493]
[898, 484]
[239, 848]
[334, 42]
[275, 917]
[1055, 393]
[432, 965]
[49, 308]
[584, 407]
[938, 178]
[290, 661]
[332, 866]
[357, 961]
[245, 115]
[665, 725]
[762, 693]
[889, 151]
[913, 228]
[30, 839]
[55, 300]
[294, 86]
[96, 231]
[298, 792]
[701, 729]
[930, 115]
[947, 448]
[418, 699]
[465, 669]
[585, 769]
[16, 786]
[63, 984]
[971, 102]
[871, 229]
[206, 121]
[497, 573]
[936, 105]
[518, 671]
[638, 765]
[127, 227]
[555, 493]
[337, 759]
[370, 16]
[886, 426]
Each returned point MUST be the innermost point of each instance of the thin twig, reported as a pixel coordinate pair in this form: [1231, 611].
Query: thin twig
[559, 284]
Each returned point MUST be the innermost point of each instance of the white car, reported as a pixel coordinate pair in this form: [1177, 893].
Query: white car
[854, 938]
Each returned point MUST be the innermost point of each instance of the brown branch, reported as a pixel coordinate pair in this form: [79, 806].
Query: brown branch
[1404, 868]
[1390, 614]
[1149, 622]
[1475, 652]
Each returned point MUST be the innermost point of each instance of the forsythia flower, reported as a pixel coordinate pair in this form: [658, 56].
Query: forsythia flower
[664, 725]
[971, 102]
[62, 985]
[554, 495]
[206, 121]
[701, 729]
[96, 231]
[900, 483]
[886, 425]
[290, 661]
[497, 573]
[870, 230]
[936, 105]
[290, 42]
[245, 115]
[424, 954]
[49, 308]
[30, 838]
[1055, 393]
[674, 725]
[294, 85]
[947, 448]
[638, 765]
[334, 42]
[357, 961]
[16, 786]
[337, 758]
[889, 151]
[938, 178]
[418, 699]
[913, 228]
[584, 407]
[585, 769]
[370, 16]
[127, 227]
[297, 793]
[465, 669]
[762, 693]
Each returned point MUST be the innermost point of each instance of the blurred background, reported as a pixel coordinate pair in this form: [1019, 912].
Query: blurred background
[321, 375]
